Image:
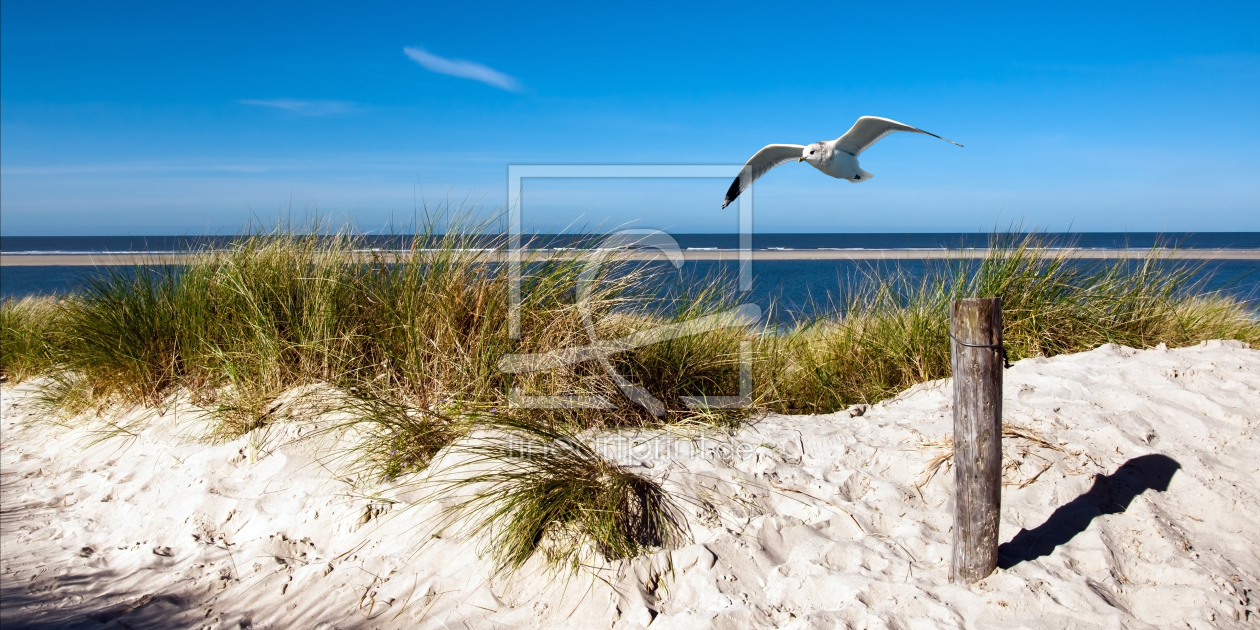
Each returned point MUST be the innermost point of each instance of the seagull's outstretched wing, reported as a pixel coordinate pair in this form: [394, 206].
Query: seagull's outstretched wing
[761, 163]
[871, 129]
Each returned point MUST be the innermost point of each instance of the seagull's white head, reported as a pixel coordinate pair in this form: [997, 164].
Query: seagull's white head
[815, 153]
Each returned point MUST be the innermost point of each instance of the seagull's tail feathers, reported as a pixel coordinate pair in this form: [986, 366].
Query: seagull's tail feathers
[862, 176]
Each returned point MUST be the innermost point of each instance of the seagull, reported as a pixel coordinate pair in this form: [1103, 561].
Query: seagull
[837, 158]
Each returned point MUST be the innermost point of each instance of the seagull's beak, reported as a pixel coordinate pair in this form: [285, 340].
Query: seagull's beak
[800, 159]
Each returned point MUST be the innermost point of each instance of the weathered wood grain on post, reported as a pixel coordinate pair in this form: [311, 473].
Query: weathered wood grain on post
[975, 351]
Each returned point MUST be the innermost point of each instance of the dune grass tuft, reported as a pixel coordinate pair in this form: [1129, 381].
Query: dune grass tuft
[531, 489]
[396, 439]
[27, 337]
[120, 337]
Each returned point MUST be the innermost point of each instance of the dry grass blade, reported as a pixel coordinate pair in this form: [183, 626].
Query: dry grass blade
[1008, 431]
[934, 464]
[1025, 433]
[1027, 482]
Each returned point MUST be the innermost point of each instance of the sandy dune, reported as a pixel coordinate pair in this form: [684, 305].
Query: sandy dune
[1132, 503]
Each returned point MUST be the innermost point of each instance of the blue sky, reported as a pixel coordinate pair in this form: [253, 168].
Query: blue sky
[193, 117]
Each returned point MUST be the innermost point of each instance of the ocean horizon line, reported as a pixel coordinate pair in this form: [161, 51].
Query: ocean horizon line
[696, 242]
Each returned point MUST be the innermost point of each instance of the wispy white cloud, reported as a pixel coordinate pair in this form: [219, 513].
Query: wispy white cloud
[464, 69]
[302, 107]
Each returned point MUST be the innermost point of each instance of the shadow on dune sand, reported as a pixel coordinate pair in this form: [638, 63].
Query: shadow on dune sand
[1111, 494]
[47, 593]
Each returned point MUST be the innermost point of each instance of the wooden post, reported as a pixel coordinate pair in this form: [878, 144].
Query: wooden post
[977, 360]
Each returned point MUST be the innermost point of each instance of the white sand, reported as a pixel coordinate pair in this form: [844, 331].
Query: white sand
[820, 526]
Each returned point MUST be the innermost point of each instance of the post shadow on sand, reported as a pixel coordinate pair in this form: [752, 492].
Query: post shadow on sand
[1109, 495]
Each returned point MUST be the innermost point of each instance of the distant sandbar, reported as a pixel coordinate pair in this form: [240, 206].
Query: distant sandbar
[110, 259]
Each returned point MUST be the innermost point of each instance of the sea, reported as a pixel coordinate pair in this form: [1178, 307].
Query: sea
[794, 287]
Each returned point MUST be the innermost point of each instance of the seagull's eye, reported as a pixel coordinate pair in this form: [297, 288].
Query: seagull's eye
[811, 152]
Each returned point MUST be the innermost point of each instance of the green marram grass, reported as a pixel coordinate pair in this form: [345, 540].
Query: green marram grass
[236, 328]
[28, 345]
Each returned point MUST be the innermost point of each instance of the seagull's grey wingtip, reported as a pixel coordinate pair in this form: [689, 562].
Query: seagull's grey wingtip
[939, 137]
[731, 193]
